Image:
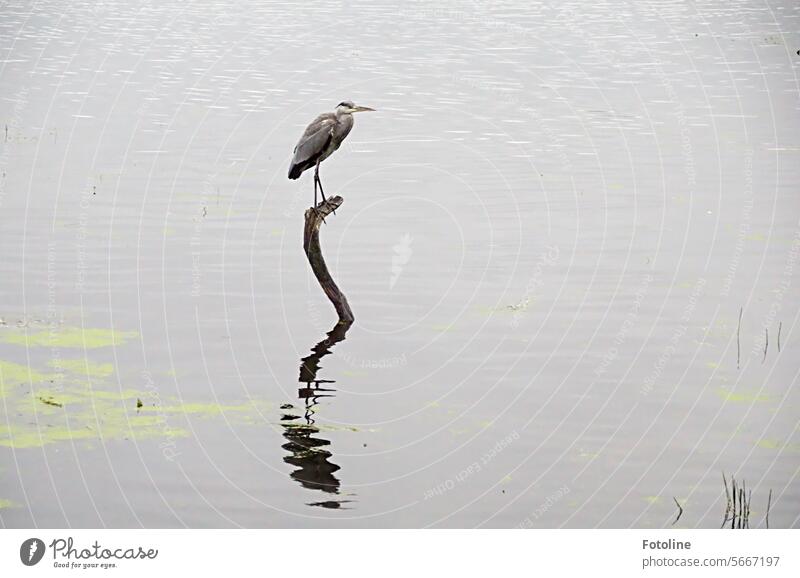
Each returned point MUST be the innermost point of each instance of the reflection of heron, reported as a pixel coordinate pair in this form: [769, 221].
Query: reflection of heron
[321, 139]
[316, 471]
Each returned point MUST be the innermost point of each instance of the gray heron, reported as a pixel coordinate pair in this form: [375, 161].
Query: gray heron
[321, 139]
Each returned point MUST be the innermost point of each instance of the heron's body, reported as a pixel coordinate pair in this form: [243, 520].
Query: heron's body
[321, 139]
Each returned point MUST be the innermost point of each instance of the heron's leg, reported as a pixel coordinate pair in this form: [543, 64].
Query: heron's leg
[315, 209]
[322, 192]
[316, 178]
[316, 181]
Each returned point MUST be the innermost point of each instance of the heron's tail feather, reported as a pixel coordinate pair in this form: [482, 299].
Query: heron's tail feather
[295, 171]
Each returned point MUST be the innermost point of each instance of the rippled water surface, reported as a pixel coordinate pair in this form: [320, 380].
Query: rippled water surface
[550, 228]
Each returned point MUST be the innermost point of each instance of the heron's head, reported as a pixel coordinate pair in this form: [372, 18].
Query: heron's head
[347, 107]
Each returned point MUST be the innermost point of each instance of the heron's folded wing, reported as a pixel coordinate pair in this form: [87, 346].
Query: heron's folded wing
[313, 142]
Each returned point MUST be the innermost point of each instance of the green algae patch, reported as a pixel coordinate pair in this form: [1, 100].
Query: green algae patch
[83, 417]
[114, 426]
[349, 373]
[83, 368]
[74, 395]
[741, 396]
[247, 412]
[70, 337]
[16, 373]
[12, 374]
[84, 414]
[77, 404]
[584, 455]
[7, 504]
[768, 444]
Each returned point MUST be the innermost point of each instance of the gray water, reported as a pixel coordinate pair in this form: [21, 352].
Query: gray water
[550, 227]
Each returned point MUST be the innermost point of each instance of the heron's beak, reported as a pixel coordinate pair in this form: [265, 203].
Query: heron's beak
[363, 109]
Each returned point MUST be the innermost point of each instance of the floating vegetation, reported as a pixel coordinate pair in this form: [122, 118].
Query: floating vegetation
[587, 455]
[83, 368]
[108, 416]
[12, 374]
[737, 505]
[42, 408]
[680, 510]
[769, 444]
[350, 373]
[69, 337]
[738, 498]
[7, 504]
[741, 396]
[50, 401]
[112, 426]
[71, 401]
[738, 338]
[250, 411]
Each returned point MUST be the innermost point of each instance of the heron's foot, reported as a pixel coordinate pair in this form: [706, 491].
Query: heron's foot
[329, 204]
[319, 213]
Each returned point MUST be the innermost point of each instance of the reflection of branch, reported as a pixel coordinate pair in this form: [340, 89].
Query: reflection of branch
[309, 366]
[316, 471]
[314, 218]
